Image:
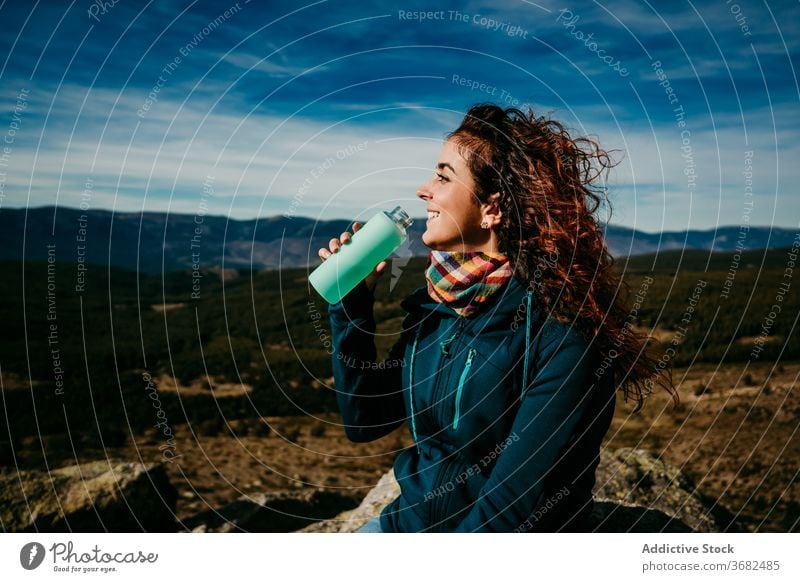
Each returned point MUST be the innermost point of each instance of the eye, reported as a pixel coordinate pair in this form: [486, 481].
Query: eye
[442, 177]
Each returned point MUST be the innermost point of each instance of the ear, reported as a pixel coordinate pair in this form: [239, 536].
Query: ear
[490, 210]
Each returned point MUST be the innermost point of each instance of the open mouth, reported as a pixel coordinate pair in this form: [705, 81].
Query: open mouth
[432, 215]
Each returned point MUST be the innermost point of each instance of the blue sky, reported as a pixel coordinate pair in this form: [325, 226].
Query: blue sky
[335, 109]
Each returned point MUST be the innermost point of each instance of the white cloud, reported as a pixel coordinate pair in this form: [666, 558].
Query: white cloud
[265, 164]
[272, 68]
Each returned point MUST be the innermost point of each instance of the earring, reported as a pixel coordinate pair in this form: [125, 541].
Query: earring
[484, 224]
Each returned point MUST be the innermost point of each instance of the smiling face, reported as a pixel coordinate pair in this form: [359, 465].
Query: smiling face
[454, 212]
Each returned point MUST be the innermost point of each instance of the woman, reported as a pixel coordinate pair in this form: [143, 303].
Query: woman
[510, 356]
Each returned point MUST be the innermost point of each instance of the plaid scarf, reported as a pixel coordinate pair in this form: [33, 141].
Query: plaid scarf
[465, 280]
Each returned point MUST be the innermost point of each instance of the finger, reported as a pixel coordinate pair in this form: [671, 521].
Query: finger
[356, 226]
[324, 253]
[380, 267]
[345, 237]
[334, 244]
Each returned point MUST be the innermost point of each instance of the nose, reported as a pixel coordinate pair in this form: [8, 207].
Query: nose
[423, 192]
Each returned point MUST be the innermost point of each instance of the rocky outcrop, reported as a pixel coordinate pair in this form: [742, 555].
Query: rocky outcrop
[92, 497]
[278, 512]
[379, 497]
[634, 492]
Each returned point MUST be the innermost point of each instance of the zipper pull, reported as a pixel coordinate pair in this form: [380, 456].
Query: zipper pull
[470, 355]
[445, 345]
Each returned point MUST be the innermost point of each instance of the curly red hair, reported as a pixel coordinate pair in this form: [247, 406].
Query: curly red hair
[549, 229]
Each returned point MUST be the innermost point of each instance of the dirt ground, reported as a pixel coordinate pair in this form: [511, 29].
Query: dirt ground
[734, 434]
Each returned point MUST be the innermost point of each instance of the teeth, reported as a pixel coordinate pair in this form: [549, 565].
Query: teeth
[432, 214]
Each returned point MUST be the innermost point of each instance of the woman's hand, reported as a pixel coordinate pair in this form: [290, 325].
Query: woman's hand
[372, 279]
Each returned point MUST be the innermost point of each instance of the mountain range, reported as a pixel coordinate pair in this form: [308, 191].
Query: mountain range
[155, 242]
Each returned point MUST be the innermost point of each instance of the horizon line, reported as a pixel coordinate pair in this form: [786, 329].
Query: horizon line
[113, 211]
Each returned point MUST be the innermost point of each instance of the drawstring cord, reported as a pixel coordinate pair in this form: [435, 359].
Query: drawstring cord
[411, 386]
[527, 345]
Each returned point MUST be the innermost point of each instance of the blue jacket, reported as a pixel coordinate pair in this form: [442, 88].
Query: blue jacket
[489, 456]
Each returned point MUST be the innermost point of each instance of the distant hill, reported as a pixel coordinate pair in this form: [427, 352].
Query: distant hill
[270, 330]
[153, 242]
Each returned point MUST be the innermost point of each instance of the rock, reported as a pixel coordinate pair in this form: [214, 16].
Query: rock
[378, 498]
[634, 492]
[283, 511]
[93, 497]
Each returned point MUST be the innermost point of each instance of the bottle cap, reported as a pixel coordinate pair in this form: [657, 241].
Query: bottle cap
[400, 217]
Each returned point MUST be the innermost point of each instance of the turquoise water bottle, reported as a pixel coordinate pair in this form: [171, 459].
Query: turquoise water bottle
[376, 240]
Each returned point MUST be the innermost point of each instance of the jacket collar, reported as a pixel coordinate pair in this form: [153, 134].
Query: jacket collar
[501, 305]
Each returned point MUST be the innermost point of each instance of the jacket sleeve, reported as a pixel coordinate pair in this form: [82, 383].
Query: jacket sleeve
[551, 407]
[369, 394]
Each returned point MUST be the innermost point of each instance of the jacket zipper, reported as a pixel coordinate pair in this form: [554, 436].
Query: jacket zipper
[460, 388]
[443, 372]
[442, 479]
